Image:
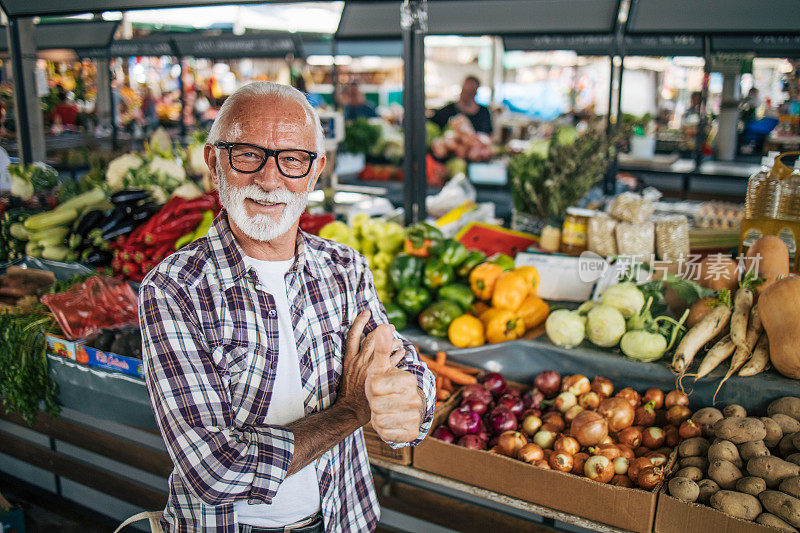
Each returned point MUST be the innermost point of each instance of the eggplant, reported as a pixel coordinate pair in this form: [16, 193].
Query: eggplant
[114, 218]
[129, 196]
[96, 258]
[116, 231]
[90, 220]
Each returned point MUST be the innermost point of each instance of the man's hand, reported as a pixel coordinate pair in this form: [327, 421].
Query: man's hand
[395, 402]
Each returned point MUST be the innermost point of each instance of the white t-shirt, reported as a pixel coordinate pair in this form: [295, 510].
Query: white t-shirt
[298, 495]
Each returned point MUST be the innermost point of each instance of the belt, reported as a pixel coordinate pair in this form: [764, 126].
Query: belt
[311, 524]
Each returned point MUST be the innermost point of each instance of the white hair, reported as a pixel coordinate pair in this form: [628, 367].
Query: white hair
[261, 89]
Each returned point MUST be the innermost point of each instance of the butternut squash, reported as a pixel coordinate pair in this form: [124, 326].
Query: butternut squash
[770, 257]
[779, 307]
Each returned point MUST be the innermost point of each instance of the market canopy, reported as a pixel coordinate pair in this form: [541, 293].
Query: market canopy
[355, 48]
[69, 35]
[760, 45]
[153, 45]
[596, 45]
[32, 8]
[490, 17]
[237, 46]
[714, 16]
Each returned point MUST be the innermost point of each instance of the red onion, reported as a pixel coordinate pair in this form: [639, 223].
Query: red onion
[512, 403]
[472, 442]
[444, 434]
[501, 420]
[463, 421]
[513, 391]
[549, 382]
[477, 390]
[533, 399]
[589, 428]
[618, 412]
[495, 383]
[475, 404]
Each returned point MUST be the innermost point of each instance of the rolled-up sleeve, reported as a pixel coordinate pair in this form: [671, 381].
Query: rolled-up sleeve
[218, 461]
[367, 298]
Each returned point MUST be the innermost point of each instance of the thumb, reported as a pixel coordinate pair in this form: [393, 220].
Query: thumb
[383, 347]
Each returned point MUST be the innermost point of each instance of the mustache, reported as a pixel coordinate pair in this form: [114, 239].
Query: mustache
[254, 192]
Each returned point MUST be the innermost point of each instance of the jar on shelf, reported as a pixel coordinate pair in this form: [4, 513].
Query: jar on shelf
[574, 231]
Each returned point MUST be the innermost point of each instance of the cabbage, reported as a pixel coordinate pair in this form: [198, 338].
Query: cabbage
[643, 345]
[565, 328]
[605, 325]
[626, 297]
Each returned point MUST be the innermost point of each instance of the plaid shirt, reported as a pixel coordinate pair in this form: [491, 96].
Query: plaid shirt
[210, 337]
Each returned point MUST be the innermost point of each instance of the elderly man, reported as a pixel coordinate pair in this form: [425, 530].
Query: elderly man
[266, 349]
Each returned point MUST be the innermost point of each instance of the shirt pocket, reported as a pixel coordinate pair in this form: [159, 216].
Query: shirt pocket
[330, 362]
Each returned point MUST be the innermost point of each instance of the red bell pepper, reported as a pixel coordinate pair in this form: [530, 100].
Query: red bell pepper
[172, 230]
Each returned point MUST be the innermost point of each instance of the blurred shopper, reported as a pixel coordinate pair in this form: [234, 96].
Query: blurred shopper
[692, 115]
[149, 112]
[356, 104]
[65, 114]
[478, 115]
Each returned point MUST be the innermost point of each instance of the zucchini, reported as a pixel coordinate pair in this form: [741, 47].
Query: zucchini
[49, 234]
[94, 196]
[18, 231]
[53, 240]
[55, 253]
[33, 249]
[56, 217]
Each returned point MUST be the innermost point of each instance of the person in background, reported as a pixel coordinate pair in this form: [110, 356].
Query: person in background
[201, 107]
[149, 113]
[65, 113]
[478, 115]
[693, 113]
[356, 104]
[748, 107]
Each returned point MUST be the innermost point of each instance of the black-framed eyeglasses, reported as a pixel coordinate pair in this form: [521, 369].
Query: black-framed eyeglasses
[250, 158]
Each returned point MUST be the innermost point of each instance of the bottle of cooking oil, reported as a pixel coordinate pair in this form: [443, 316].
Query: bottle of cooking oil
[789, 204]
[763, 191]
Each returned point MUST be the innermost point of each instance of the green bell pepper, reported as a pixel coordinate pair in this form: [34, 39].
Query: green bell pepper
[418, 234]
[504, 261]
[396, 315]
[437, 274]
[437, 318]
[458, 293]
[473, 259]
[450, 251]
[413, 299]
[406, 271]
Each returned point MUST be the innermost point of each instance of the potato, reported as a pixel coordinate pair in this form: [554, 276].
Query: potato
[786, 422]
[790, 486]
[739, 430]
[690, 472]
[724, 473]
[705, 418]
[698, 462]
[786, 445]
[787, 405]
[771, 520]
[736, 504]
[782, 505]
[775, 430]
[748, 450]
[725, 450]
[697, 446]
[684, 489]
[793, 458]
[771, 469]
[795, 440]
[751, 485]
[708, 487]
[734, 411]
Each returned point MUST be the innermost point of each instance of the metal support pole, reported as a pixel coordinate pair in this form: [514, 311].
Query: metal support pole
[334, 74]
[610, 92]
[182, 90]
[414, 22]
[700, 139]
[619, 91]
[114, 109]
[30, 124]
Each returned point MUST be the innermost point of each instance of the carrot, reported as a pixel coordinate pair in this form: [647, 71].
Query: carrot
[448, 385]
[465, 369]
[720, 351]
[439, 382]
[741, 310]
[456, 376]
[742, 354]
[441, 357]
[709, 327]
[442, 394]
[759, 360]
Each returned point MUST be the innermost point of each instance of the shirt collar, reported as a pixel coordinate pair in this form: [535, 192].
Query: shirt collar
[228, 257]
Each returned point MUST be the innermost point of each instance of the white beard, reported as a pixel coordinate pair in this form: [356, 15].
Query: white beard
[260, 227]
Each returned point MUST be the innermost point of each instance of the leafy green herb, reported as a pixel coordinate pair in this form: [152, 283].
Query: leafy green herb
[67, 284]
[360, 136]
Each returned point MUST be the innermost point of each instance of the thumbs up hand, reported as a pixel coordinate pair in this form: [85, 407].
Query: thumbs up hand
[395, 401]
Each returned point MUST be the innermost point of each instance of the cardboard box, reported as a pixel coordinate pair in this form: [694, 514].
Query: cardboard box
[676, 516]
[86, 355]
[631, 509]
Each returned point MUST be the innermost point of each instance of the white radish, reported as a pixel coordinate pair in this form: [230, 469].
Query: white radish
[709, 327]
[760, 359]
[741, 309]
[716, 355]
[742, 354]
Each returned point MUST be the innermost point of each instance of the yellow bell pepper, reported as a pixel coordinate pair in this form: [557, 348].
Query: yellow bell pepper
[466, 331]
[504, 325]
[510, 291]
[533, 311]
[531, 275]
[482, 279]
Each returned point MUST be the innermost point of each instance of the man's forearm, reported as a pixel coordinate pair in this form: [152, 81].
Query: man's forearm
[318, 433]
